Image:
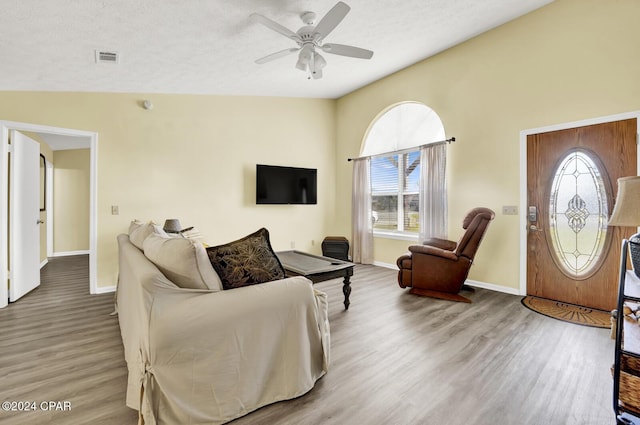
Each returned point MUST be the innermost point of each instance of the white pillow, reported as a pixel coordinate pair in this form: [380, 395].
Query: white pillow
[135, 224]
[183, 261]
[138, 232]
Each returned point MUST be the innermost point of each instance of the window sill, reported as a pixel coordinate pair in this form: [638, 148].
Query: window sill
[396, 235]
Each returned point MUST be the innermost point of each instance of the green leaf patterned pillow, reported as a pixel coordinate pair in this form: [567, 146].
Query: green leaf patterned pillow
[247, 261]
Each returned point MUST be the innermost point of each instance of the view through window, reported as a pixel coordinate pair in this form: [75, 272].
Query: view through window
[395, 190]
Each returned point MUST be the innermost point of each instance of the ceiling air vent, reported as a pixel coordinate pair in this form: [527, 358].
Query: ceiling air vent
[107, 57]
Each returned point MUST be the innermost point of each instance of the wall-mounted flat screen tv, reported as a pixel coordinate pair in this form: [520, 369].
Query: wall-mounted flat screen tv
[286, 185]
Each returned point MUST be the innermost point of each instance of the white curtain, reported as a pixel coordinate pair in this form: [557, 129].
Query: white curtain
[362, 225]
[433, 191]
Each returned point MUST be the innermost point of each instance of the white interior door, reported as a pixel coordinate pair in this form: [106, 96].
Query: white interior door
[24, 215]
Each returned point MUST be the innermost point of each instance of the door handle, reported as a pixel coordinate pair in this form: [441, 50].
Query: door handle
[534, 228]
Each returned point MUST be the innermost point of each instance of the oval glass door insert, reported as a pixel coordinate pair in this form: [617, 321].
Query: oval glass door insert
[578, 215]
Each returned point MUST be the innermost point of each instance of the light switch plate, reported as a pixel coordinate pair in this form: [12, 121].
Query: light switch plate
[510, 210]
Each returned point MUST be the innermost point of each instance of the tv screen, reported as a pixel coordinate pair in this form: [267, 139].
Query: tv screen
[285, 185]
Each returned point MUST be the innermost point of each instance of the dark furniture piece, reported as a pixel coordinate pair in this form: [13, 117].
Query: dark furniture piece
[318, 269]
[439, 267]
[336, 247]
[626, 367]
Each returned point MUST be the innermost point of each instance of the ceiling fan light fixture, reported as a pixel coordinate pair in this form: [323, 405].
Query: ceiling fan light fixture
[320, 62]
[301, 65]
[309, 38]
[307, 53]
[305, 57]
[316, 65]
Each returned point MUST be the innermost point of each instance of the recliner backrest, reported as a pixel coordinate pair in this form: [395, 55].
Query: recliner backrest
[476, 223]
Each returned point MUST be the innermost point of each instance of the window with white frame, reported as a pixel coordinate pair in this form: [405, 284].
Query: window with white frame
[395, 189]
[393, 142]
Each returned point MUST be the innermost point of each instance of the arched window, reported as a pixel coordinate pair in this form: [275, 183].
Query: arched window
[402, 126]
[398, 176]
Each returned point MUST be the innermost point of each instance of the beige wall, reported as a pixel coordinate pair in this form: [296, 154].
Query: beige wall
[71, 201]
[193, 158]
[571, 60]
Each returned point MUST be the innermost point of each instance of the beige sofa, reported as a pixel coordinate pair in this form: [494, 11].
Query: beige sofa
[207, 356]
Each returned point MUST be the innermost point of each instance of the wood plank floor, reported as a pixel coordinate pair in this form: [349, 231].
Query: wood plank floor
[58, 343]
[395, 359]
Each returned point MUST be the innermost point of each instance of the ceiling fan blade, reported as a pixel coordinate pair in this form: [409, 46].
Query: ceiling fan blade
[277, 55]
[344, 50]
[331, 20]
[273, 25]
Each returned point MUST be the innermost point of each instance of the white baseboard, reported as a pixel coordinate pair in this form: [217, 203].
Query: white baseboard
[492, 287]
[44, 262]
[105, 289]
[385, 265]
[68, 253]
[474, 283]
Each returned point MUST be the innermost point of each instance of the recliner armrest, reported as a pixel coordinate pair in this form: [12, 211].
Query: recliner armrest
[404, 261]
[432, 250]
[441, 243]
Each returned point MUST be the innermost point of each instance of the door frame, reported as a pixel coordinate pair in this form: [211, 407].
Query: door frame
[86, 139]
[49, 208]
[523, 174]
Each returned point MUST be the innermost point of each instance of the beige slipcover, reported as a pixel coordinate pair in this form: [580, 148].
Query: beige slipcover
[201, 357]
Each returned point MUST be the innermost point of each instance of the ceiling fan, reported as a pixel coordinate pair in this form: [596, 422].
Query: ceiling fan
[310, 38]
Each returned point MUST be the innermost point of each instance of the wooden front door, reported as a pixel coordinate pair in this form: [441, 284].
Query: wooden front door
[572, 256]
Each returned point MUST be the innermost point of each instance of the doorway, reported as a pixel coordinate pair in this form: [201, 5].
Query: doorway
[569, 253]
[55, 137]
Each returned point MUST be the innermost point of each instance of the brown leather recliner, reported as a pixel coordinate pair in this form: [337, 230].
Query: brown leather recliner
[439, 267]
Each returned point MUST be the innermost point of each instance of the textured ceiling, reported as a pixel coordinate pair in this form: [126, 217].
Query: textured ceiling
[209, 46]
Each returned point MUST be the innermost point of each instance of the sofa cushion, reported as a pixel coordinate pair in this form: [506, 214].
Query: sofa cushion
[138, 232]
[247, 261]
[182, 261]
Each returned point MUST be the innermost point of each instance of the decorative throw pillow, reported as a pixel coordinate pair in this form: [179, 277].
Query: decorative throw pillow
[182, 261]
[247, 261]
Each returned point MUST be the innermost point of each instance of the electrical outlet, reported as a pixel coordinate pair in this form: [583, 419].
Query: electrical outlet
[115, 210]
[510, 210]
[293, 245]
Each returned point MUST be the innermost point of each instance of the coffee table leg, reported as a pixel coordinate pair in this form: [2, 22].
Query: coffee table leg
[346, 290]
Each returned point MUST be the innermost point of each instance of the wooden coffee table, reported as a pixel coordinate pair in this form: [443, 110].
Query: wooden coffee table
[318, 269]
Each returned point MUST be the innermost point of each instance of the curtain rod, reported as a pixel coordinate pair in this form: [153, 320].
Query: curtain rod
[442, 142]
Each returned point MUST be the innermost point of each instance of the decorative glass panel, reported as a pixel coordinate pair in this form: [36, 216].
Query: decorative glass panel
[578, 215]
